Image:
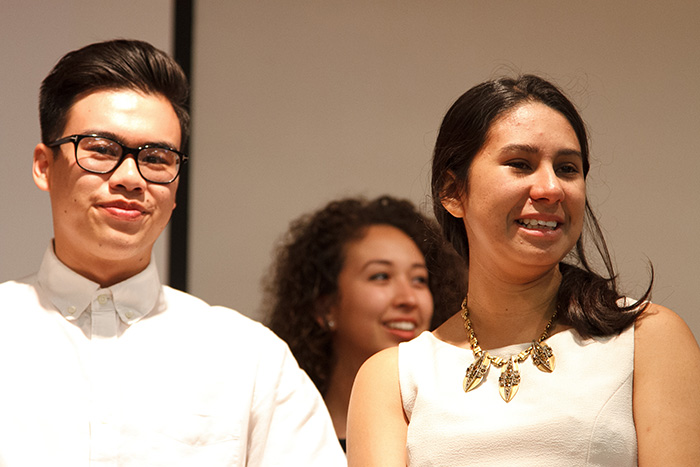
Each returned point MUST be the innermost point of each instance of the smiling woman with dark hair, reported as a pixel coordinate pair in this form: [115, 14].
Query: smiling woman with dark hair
[538, 365]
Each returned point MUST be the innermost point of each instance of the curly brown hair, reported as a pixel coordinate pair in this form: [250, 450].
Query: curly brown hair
[303, 279]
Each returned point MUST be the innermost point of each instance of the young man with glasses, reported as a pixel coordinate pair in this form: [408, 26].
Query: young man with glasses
[101, 363]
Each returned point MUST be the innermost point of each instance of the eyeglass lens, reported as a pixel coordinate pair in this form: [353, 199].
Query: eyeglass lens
[102, 155]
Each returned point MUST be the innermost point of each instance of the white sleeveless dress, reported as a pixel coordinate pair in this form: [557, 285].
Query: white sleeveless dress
[581, 414]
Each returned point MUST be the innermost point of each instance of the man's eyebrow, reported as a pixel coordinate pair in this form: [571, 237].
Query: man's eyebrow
[103, 133]
[119, 139]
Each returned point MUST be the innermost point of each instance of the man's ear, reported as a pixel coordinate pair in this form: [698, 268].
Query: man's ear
[452, 196]
[41, 166]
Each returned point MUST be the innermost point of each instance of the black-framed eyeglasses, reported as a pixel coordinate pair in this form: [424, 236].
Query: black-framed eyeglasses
[100, 155]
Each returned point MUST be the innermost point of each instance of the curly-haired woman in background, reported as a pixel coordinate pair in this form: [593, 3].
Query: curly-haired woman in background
[354, 278]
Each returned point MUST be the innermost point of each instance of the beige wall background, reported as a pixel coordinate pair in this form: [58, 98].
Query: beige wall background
[299, 102]
[34, 34]
[296, 103]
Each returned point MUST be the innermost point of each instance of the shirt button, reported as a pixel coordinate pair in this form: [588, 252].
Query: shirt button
[129, 315]
[71, 309]
[102, 299]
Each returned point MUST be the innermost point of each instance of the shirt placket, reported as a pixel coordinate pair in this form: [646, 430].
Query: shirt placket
[104, 425]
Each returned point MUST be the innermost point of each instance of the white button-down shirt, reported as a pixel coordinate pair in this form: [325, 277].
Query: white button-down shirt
[142, 374]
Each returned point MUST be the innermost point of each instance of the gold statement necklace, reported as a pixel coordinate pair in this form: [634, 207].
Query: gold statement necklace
[509, 381]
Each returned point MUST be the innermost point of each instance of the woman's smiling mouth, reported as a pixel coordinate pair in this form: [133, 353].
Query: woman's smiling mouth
[538, 224]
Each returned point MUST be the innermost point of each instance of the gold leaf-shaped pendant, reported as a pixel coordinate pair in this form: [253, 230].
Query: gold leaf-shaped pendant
[509, 381]
[476, 372]
[543, 357]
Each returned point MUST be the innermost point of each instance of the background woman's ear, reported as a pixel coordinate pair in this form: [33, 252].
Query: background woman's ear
[451, 196]
[326, 322]
[324, 313]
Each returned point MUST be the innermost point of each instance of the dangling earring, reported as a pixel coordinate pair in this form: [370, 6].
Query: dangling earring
[331, 324]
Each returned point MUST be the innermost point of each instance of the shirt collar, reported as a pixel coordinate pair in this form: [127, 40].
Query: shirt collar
[72, 293]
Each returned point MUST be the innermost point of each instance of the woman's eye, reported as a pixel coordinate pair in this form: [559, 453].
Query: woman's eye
[421, 279]
[520, 165]
[568, 169]
[380, 276]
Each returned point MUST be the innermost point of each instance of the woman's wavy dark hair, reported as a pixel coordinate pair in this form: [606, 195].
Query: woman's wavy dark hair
[303, 279]
[586, 300]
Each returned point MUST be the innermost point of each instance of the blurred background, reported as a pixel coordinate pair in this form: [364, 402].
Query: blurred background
[296, 103]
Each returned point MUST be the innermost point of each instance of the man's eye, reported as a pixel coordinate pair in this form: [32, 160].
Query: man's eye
[154, 159]
[157, 157]
[103, 150]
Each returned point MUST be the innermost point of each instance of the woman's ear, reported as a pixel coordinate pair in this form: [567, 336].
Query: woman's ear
[326, 322]
[454, 206]
[324, 313]
[451, 196]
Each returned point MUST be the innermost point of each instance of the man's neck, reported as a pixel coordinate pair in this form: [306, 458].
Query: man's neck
[100, 270]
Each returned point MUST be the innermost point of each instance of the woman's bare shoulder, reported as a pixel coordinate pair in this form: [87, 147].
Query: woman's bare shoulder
[666, 378]
[381, 361]
[376, 421]
[658, 322]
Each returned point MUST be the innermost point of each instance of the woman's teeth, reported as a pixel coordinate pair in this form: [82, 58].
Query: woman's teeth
[401, 325]
[535, 224]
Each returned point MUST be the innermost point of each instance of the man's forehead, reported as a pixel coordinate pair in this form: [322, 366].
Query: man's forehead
[130, 115]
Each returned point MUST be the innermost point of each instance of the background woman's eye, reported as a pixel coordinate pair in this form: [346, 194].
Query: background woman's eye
[380, 276]
[421, 280]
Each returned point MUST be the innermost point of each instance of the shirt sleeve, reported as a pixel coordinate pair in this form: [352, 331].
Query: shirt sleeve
[290, 424]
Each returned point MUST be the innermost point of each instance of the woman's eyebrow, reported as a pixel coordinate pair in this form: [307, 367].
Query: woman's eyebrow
[530, 149]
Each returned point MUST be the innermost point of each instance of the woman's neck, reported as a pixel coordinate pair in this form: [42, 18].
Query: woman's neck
[505, 312]
[337, 397]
